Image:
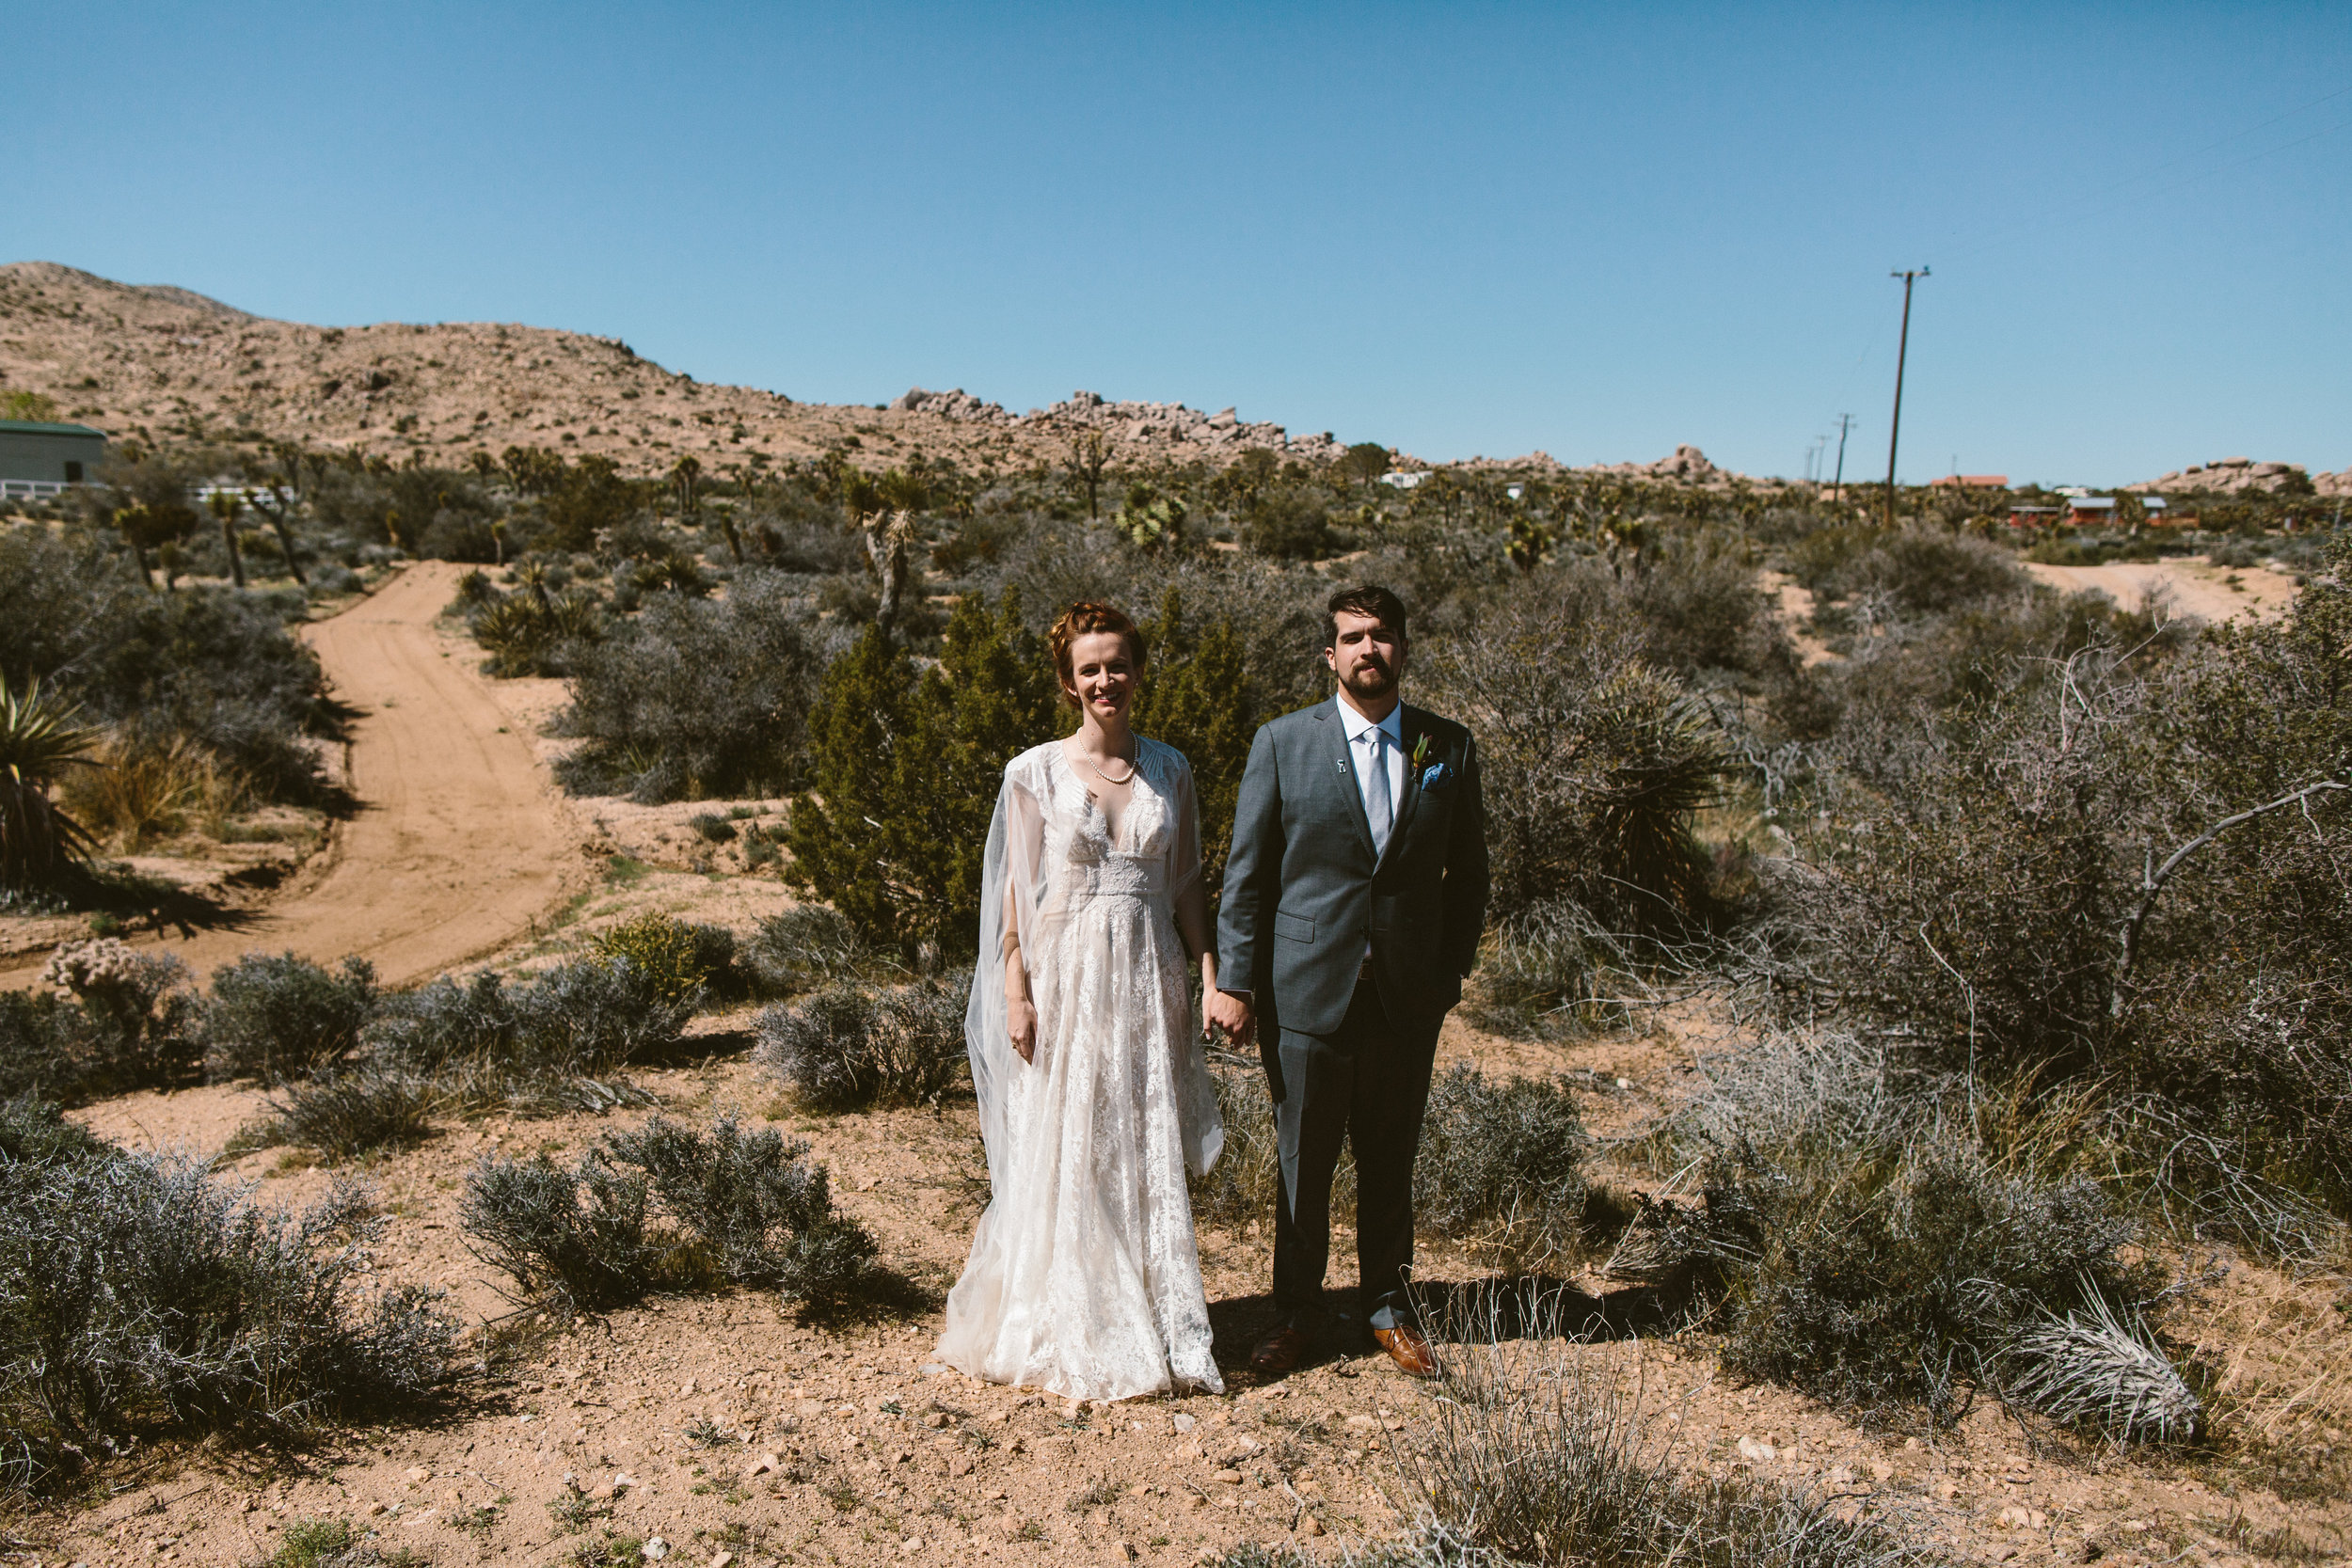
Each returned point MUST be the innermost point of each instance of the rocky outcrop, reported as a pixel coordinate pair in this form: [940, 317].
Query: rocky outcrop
[1158, 426]
[2239, 475]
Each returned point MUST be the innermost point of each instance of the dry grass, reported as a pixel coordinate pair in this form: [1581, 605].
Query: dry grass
[145, 791]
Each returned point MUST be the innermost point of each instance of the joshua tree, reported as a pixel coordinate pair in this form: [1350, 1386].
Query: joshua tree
[224, 508]
[1090, 454]
[146, 525]
[273, 494]
[683, 475]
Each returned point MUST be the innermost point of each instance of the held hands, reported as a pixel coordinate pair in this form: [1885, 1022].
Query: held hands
[1230, 1016]
[1021, 1023]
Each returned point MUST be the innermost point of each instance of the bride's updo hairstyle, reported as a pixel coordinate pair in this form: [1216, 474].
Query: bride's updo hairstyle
[1079, 620]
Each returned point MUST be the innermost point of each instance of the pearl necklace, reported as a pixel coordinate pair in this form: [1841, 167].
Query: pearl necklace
[1106, 777]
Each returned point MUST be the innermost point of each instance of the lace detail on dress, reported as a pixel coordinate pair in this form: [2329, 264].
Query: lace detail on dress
[1084, 1277]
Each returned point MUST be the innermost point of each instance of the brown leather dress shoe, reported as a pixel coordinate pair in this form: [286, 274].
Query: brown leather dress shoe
[1408, 1347]
[1280, 1352]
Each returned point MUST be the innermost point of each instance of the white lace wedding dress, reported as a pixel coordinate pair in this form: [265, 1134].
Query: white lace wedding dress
[1084, 1278]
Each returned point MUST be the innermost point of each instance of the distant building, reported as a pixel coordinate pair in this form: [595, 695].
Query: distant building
[2090, 509]
[1401, 479]
[44, 459]
[1970, 481]
[2033, 516]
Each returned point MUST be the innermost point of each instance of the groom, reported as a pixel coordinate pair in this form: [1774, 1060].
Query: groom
[1354, 896]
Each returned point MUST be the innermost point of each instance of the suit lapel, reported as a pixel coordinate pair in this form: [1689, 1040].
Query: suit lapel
[1339, 759]
[1408, 734]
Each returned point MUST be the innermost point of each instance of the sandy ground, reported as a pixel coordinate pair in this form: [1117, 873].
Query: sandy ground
[459, 841]
[2193, 585]
[849, 1445]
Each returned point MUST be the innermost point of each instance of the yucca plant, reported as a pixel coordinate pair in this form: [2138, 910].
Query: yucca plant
[41, 737]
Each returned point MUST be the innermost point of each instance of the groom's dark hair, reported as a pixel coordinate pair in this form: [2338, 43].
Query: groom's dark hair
[1371, 599]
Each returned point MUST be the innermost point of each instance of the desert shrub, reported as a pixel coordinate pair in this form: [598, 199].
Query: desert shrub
[1289, 524]
[741, 1208]
[357, 1111]
[1594, 762]
[713, 826]
[137, 1290]
[1996, 881]
[802, 948]
[850, 1044]
[285, 1017]
[574, 1238]
[1911, 571]
[34, 1131]
[484, 1042]
[695, 698]
[679, 961]
[759, 1211]
[1198, 698]
[1863, 1242]
[41, 1045]
[1702, 608]
[1550, 971]
[213, 665]
[1889, 1280]
[1536, 1455]
[1501, 1163]
[113, 1020]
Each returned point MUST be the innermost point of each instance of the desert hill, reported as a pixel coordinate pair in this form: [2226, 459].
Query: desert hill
[157, 362]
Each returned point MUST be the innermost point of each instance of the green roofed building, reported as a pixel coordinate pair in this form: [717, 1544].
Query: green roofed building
[42, 459]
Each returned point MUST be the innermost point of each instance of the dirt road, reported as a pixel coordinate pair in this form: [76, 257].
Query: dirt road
[458, 842]
[2197, 586]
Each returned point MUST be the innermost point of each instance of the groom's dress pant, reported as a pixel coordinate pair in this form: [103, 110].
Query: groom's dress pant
[1367, 1085]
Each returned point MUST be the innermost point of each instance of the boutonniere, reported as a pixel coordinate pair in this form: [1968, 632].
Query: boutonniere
[1431, 774]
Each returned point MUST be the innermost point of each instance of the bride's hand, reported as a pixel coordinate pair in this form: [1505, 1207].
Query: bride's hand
[1021, 1022]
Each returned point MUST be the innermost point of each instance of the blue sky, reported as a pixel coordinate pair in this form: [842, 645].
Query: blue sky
[1461, 229]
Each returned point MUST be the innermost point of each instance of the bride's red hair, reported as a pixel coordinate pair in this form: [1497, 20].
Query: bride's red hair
[1079, 620]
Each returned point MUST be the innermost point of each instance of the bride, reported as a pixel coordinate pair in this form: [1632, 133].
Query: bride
[1094, 1099]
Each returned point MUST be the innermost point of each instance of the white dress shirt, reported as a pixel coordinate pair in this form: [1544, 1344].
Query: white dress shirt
[1359, 754]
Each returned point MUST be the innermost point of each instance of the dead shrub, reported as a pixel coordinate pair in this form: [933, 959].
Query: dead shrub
[1536, 1455]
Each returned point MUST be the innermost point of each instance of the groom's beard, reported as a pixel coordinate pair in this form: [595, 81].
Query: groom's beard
[1369, 682]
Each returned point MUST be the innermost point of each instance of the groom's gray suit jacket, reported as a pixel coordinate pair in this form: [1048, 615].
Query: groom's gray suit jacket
[1304, 891]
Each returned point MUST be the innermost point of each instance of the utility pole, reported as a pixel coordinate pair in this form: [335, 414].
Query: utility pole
[1902, 351]
[1837, 486]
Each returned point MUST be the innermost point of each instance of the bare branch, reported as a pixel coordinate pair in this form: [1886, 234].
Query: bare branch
[2151, 881]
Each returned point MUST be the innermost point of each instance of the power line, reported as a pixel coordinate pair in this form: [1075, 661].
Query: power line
[1902, 351]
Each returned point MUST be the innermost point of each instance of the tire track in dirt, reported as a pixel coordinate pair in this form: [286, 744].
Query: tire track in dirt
[458, 842]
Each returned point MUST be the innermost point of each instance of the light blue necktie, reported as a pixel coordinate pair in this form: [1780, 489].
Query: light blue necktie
[1378, 806]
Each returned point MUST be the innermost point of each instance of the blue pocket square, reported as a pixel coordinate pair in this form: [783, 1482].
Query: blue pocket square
[1435, 776]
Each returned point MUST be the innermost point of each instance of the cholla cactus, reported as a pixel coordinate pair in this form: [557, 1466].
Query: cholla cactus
[77, 968]
[2096, 1367]
[116, 981]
